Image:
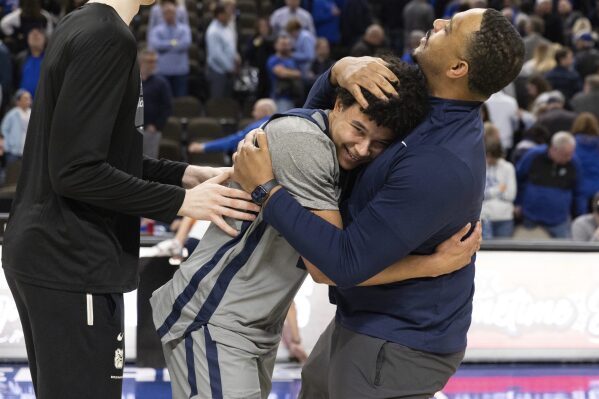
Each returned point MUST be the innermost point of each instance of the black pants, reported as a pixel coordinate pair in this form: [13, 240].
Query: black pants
[75, 343]
[348, 365]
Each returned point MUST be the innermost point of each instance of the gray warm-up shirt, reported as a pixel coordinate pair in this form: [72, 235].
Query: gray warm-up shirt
[241, 288]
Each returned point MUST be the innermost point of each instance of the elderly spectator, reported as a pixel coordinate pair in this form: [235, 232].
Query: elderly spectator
[28, 62]
[292, 10]
[222, 59]
[586, 227]
[586, 132]
[497, 213]
[14, 127]
[157, 102]
[171, 40]
[371, 44]
[588, 100]
[304, 46]
[563, 77]
[549, 186]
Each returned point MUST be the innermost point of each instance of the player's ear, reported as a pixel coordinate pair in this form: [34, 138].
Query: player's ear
[338, 105]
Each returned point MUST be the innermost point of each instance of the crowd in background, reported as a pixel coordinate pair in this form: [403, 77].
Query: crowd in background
[212, 70]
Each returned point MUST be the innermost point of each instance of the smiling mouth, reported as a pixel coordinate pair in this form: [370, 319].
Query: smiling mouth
[351, 156]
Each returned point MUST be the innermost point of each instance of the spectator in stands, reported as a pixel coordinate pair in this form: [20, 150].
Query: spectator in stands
[417, 15]
[588, 100]
[156, 14]
[222, 60]
[586, 132]
[323, 59]
[14, 127]
[586, 227]
[304, 47]
[534, 28]
[549, 108]
[18, 23]
[563, 77]
[262, 111]
[285, 76]
[413, 42]
[356, 17]
[28, 62]
[372, 43]
[535, 86]
[542, 61]
[8, 6]
[6, 79]
[157, 102]
[549, 186]
[171, 40]
[554, 30]
[586, 60]
[532, 137]
[497, 213]
[257, 53]
[326, 15]
[292, 10]
[504, 113]
[231, 9]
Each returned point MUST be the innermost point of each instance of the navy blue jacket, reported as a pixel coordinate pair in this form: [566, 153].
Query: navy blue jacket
[407, 201]
[549, 193]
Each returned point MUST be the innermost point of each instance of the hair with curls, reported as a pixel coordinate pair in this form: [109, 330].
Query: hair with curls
[495, 54]
[586, 123]
[400, 113]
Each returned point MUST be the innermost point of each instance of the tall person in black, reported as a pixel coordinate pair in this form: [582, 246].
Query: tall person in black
[72, 241]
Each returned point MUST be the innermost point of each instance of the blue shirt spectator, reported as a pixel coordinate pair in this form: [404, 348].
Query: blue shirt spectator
[28, 62]
[326, 15]
[285, 76]
[304, 47]
[549, 186]
[156, 17]
[586, 132]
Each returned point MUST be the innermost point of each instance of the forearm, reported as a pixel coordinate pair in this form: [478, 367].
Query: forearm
[163, 171]
[412, 266]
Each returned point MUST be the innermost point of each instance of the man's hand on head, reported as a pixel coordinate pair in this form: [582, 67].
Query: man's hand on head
[252, 163]
[369, 73]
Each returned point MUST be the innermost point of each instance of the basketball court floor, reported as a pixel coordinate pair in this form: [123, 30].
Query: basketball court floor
[493, 381]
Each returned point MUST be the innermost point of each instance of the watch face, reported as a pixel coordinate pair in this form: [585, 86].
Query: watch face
[259, 194]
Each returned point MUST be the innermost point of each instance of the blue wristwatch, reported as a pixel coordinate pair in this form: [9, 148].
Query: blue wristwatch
[260, 193]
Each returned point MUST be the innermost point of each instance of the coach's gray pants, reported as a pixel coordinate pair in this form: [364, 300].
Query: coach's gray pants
[348, 365]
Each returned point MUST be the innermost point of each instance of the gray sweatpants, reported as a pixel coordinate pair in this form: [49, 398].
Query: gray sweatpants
[348, 365]
[201, 368]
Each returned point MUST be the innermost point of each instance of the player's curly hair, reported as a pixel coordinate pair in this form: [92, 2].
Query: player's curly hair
[495, 54]
[400, 113]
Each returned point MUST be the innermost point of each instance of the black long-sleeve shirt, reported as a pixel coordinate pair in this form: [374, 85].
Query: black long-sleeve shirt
[74, 224]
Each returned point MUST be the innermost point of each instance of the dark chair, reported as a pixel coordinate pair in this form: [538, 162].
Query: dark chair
[222, 108]
[210, 159]
[172, 130]
[13, 171]
[247, 6]
[187, 107]
[204, 129]
[170, 149]
[246, 20]
[245, 122]
[141, 33]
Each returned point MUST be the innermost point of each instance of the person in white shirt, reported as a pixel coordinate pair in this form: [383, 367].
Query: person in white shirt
[14, 126]
[503, 113]
[497, 213]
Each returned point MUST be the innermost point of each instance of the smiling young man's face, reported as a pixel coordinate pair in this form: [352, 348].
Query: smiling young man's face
[358, 139]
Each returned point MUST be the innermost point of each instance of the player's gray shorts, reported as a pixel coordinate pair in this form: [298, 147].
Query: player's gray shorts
[348, 365]
[201, 368]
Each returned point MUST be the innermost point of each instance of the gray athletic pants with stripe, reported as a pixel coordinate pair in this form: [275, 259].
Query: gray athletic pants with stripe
[201, 368]
[348, 365]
